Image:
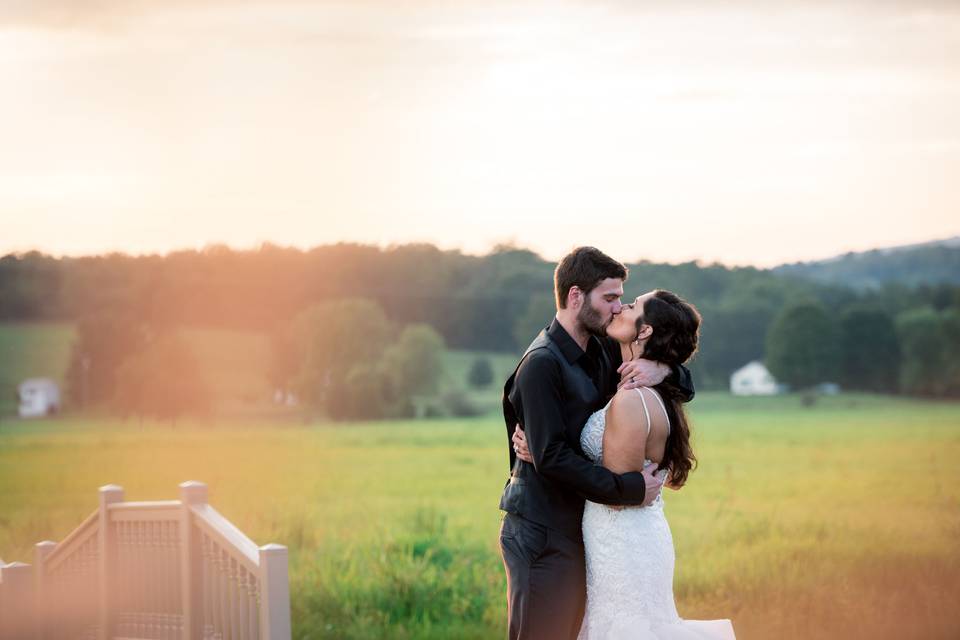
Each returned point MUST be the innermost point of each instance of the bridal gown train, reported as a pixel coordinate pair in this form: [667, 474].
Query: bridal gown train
[630, 558]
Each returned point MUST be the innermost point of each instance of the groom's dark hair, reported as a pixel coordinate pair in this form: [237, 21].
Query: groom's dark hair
[585, 268]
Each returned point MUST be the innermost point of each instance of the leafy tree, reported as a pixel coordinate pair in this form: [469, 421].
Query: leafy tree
[870, 351]
[366, 393]
[802, 346]
[334, 337]
[950, 327]
[733, 333]
[415, 361]
[162, 381]
[345, 369]
[924, 365]
[104, 340]
[538, 315]
[285, 357]
[480, 375]
[30, 287]
[458, 404]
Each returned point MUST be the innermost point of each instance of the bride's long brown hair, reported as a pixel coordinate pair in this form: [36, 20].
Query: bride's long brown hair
[676, 334]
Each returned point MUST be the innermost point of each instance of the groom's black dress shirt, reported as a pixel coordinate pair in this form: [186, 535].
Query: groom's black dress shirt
[555, 388]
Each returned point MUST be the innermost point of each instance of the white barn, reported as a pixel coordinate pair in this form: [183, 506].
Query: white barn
[38, 397]
[754, 379]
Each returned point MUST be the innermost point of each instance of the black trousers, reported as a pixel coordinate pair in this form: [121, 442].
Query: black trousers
[546, 581]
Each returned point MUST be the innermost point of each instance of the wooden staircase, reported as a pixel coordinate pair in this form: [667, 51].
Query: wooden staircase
[164, 570]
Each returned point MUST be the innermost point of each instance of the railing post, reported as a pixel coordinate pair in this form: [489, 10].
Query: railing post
[109, 494]
[191, 587]
[16, 601]
[43, 609]
[274, 594]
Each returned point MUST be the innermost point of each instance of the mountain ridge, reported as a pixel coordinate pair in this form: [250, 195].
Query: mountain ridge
[932, 262]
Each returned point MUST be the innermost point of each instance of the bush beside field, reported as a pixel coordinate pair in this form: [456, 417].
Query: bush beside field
[838, 520]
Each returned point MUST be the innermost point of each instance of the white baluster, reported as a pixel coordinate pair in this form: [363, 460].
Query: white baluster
[192, 585]
[45, 605]
[241, 603]
[274, 593]
[207, 589]
[168, 566]
[155, 584]
[122, 580]
[233, 592]
[224, 593]
[143, 579]
[148, 578]
[109, 494]
[16, 600]
[254, 608]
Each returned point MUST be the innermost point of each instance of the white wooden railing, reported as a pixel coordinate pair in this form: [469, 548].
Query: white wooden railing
[167, 570]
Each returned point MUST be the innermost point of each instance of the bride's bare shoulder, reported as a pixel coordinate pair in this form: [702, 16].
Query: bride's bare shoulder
[626, 410]
[631, 409]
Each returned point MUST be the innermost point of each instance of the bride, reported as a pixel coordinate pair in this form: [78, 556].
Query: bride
[629, 550]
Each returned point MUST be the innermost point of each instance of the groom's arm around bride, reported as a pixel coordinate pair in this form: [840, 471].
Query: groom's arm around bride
[538, 385]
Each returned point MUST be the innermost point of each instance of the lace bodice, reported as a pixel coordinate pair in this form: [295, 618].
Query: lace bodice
[591, 438]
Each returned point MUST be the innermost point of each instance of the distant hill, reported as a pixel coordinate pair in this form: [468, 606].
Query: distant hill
[934, 262]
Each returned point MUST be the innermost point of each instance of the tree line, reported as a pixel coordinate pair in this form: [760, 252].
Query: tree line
[887, 339]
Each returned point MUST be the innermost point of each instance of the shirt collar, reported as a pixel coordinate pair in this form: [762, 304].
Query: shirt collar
[568, 346]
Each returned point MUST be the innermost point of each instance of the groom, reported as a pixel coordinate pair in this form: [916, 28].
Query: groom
[568, 372]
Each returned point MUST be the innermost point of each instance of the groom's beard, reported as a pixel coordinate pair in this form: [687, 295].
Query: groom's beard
[592, 321]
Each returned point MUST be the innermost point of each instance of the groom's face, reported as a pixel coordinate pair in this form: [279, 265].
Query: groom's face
[600, 306]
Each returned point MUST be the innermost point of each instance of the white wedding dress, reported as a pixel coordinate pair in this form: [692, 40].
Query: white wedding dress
[630, 557]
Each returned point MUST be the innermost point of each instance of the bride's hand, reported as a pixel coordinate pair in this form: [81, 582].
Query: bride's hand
[642, 373]
[654, 482]
[520, 445]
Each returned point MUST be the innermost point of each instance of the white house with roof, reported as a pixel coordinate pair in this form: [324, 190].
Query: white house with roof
[38, 397]
[754, 379]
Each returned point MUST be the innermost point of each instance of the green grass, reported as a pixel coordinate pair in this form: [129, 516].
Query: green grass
[456, 366]
[834, 521]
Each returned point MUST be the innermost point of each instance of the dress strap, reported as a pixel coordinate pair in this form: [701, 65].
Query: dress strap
[656, 395]
[643, 399]
[664, 407]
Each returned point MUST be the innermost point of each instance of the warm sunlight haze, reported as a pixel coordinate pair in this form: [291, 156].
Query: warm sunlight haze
[775, 134]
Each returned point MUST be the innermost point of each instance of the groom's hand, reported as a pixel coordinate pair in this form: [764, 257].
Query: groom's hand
[642, 373]
[653, 484]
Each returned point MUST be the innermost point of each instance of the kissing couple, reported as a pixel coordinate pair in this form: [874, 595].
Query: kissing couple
[594, 414]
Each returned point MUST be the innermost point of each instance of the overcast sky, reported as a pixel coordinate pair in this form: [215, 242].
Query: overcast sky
[746, 133]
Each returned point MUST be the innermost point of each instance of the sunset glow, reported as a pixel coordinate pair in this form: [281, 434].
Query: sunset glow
[661, 131]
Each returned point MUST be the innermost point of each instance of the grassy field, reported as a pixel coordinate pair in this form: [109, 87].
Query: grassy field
[840, 520]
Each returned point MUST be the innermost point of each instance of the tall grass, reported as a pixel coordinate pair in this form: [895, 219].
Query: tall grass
[835, 521]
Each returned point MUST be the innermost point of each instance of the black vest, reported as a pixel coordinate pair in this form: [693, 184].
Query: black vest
[527, 493]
